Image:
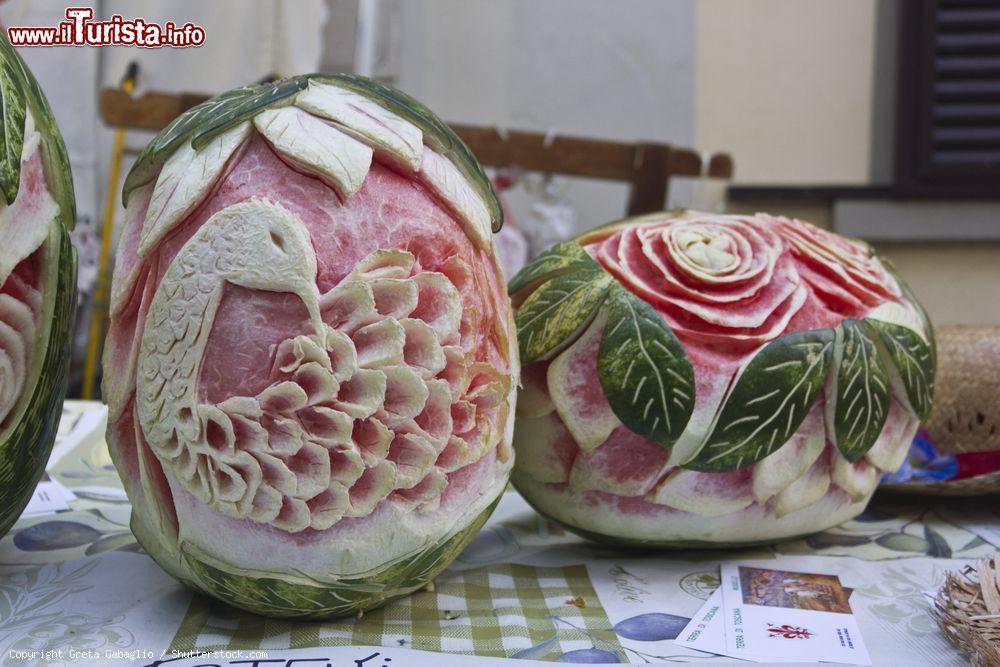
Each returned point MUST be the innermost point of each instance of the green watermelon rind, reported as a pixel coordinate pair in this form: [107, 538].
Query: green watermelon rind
[26, 444]
[31, 427]
[276, 597]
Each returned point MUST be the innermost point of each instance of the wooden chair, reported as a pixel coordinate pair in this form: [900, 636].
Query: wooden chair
[647, 166]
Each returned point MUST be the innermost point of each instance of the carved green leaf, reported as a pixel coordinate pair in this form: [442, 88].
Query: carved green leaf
[172, 136]
[859, 399]
[769, 401]
[241, 108]
[644, 370]
[437, 134]
[910, 360]
[12, 137]
[557, 260]
[557, 311]
[205, 121]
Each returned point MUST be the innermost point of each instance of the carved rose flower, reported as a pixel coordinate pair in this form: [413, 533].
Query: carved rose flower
[848, 277]
[714, 278]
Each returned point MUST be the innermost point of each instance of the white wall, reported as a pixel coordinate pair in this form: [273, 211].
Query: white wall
[587, 67]
[789, 88]
[786, 87]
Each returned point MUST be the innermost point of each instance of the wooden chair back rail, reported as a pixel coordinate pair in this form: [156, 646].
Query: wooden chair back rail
[647, 166]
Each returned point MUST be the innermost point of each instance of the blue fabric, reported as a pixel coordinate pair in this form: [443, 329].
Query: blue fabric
[924, 463]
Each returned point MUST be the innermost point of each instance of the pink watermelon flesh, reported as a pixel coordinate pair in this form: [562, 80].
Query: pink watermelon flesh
[889, 451]
[626, 464]
[20, 312]
[779, 470]
[858, 479]
[705, 493]
[806, 489]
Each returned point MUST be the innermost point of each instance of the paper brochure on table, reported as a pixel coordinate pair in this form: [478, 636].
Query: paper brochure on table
[779, 614]
[707, 632]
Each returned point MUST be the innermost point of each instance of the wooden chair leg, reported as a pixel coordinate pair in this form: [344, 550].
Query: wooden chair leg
[649, 188]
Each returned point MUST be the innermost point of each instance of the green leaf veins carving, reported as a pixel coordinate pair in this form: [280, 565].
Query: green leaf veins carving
[770, 399]
[911, 364]
[644, 370]
[858, 400]
[557, 260]
[558, 311]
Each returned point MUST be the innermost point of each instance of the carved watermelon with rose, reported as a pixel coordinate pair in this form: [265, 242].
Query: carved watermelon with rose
[707, 379]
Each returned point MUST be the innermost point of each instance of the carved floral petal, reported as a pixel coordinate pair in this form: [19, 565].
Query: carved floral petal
[316, 148]
[391, 135]
[187, 177]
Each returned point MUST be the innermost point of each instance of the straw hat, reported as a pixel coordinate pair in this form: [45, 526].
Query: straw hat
[966, 413]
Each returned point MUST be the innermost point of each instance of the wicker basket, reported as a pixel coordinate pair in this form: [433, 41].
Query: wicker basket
[968, 610]
[966, 413]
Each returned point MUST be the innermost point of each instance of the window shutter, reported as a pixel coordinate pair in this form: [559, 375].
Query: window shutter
[948, 103]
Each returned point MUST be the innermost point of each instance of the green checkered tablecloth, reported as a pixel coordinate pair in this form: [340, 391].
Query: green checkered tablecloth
[524, 588]
[498, 610]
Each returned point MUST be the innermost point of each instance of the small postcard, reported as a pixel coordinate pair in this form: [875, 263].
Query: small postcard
[777, 614]
[707, 632]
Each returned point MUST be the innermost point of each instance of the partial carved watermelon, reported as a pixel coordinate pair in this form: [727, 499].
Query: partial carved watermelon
[725, 378]
[312, 369]
[37, 282]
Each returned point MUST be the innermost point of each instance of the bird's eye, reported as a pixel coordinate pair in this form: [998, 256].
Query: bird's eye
[278, 241]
